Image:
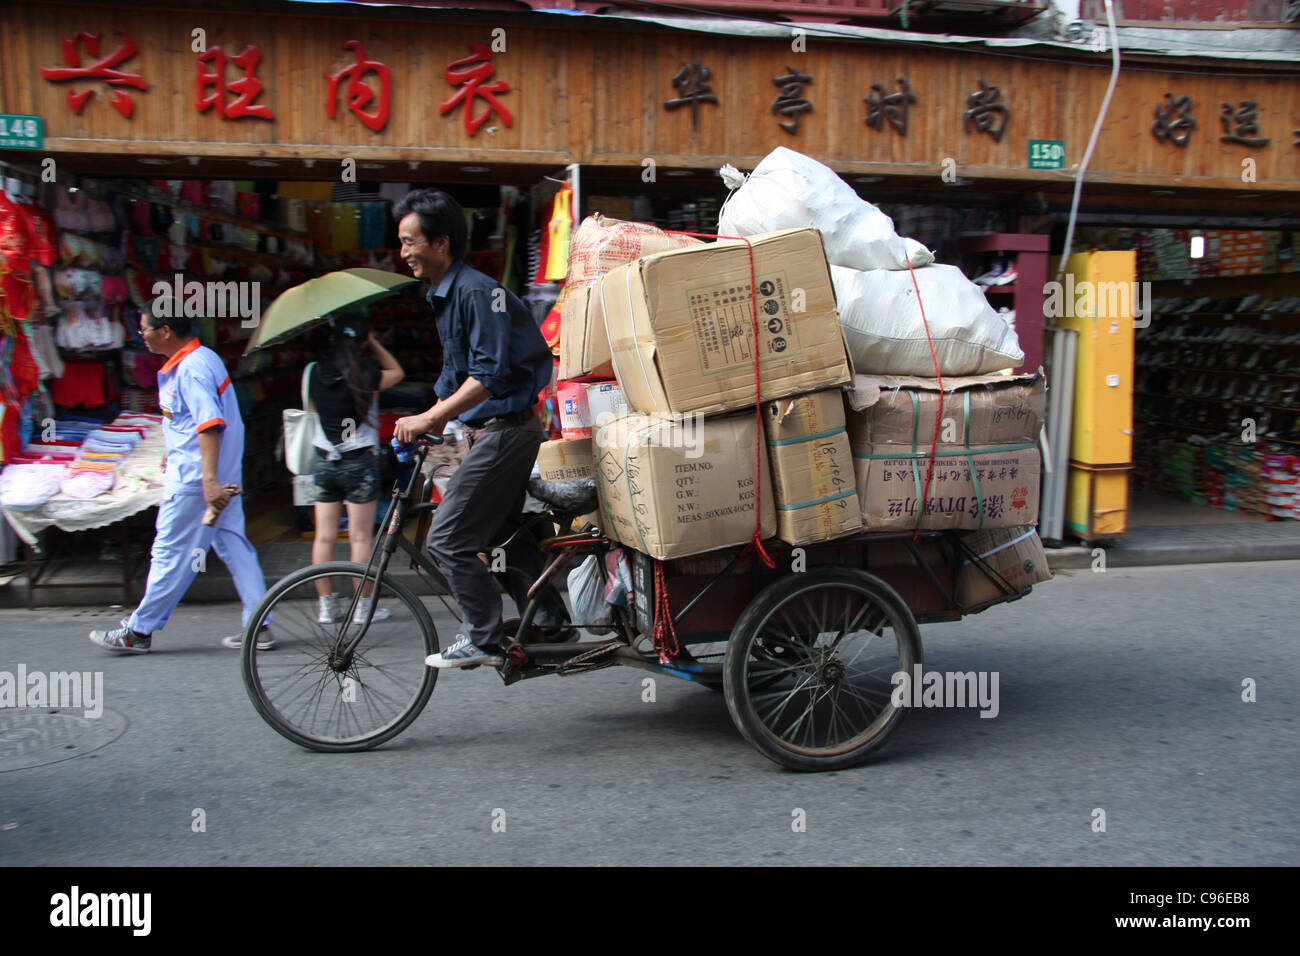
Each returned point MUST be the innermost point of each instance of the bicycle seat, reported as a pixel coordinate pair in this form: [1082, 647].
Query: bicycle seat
[575, 497]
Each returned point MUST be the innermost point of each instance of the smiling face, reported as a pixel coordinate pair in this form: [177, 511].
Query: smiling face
[426, 260]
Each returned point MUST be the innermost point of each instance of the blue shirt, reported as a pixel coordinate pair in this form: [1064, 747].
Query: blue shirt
[489, 334]
[194, 395]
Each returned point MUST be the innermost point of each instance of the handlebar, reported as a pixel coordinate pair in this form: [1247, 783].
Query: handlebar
[406, 452]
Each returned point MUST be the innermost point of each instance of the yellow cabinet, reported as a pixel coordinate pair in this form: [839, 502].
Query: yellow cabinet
[1096, 297]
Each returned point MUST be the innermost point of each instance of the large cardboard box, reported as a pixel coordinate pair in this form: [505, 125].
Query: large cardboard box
[672, 488]
[977, 409]
[971, 489]
[1015, 555]
[681, 326]
[568, 461]
[812, 468]
[584, 346]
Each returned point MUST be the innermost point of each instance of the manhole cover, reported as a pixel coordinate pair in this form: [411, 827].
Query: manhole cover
[35, 736]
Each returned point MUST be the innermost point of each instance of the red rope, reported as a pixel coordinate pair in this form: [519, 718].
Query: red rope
[665, 632]
[938, 415]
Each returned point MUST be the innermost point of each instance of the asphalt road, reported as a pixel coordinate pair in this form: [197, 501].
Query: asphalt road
[1119, 691]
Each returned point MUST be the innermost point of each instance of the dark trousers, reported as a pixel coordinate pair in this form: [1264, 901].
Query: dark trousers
[480, 509]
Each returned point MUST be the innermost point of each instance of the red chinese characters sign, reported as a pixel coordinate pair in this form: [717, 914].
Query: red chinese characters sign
[359, 94]
[101, 69]
[211, 75]
[470, 74]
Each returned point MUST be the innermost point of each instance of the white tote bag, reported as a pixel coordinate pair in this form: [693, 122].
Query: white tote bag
[299, 430]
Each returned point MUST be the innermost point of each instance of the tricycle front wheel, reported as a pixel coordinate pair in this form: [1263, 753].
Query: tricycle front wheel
[314, 692]
[808, 669]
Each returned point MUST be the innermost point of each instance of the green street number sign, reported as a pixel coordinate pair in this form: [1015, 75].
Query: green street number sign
[20, 131]
[1046, 154]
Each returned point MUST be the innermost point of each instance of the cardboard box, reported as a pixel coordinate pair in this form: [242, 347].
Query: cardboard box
[992, 486]
[681, 333]
[583, 404]
[1015, 555]
[672, 488]
[978, 410]
[812, 468]
[584, 346]
[600, 244]
[567, 461]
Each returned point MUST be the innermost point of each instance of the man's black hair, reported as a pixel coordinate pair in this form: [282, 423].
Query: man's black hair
[440, 215]
[181, 325]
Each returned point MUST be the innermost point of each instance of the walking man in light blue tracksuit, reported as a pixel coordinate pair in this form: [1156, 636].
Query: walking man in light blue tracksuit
[204, 436]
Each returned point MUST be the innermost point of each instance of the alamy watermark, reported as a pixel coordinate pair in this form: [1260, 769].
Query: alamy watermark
[217, 300]
[946, 689]
[1104, 300]
[75, 908]
[65, 690]
[676, 430]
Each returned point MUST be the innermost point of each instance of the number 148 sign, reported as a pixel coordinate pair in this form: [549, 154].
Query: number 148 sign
[20, 131]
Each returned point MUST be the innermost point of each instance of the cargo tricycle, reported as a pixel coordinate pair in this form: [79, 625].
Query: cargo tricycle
[803, 650]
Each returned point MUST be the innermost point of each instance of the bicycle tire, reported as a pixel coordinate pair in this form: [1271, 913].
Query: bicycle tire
[779, 655]
[302, 652]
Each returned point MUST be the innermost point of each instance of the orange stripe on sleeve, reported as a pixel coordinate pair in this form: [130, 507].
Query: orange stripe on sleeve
[210, 423]
[223, 386]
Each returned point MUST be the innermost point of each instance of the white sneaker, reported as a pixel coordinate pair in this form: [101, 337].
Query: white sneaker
[264, 641]
[363, 608]
[327, 608]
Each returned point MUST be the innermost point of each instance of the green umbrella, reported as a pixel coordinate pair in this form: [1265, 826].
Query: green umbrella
[305, 306]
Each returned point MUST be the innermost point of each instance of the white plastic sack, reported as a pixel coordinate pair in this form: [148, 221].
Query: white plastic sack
[587, 593]
[789, 190]
[883, 329]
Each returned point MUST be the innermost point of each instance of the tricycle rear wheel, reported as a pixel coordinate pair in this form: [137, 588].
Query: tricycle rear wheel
[808, 669]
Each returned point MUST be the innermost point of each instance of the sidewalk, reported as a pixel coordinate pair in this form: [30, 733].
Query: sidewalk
[1189, 544]
[1144, 546]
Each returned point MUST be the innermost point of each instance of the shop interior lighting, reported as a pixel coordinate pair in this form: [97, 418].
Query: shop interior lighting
[1197, 248]
[155, 161]
[475, 169]
[869, 179]
[1162, 192]
[265, 163]
[372, 165]
[677, 172]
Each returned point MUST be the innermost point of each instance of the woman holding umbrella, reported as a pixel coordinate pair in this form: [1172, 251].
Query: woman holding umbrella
[344, 393]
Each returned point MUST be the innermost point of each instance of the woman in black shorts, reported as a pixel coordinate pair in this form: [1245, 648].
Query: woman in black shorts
[344, 393]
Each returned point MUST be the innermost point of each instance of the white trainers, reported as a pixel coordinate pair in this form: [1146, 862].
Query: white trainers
[464, 654]
[327, 608]
[363, 608]
[264, 641]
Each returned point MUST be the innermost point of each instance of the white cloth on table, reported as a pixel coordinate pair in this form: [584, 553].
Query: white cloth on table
[27, 486]
[85, 485]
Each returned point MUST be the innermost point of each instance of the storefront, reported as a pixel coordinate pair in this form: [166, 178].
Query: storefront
[264, 147]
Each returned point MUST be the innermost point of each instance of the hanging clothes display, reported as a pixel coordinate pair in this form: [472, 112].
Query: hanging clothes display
[558, 228]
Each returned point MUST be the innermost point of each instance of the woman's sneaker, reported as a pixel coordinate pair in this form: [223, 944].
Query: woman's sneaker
[363, 608]
[264, 641]
[327, 609]
[122, 640]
